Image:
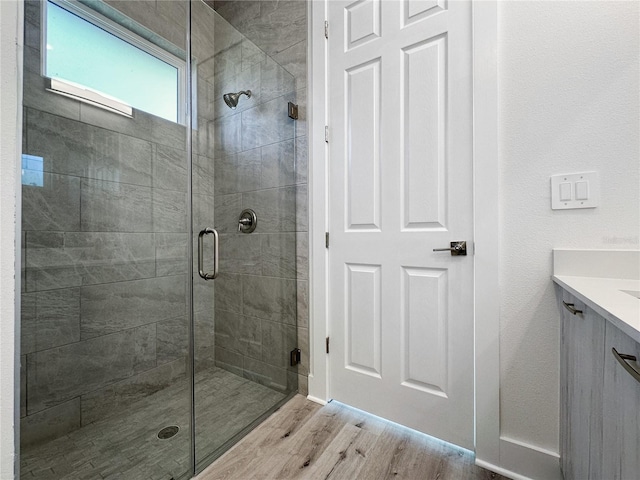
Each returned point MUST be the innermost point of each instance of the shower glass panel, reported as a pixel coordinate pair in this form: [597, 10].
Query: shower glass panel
[105, 280]
[119, 332]
[245, 319]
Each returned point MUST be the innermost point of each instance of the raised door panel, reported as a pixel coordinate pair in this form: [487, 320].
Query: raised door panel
[362, 159]
[425, 330]
[621, 414]
[424, 134]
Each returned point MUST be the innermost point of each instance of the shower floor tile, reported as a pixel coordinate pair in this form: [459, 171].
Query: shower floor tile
[127, 447]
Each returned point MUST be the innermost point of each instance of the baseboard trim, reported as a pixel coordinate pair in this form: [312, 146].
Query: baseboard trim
[525, 461]
[502, 471]
[316, 400]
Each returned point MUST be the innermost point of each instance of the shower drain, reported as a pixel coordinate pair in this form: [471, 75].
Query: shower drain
[168, 432]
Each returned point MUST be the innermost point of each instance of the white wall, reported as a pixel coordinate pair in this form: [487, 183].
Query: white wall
[568, 102]
[10, 132]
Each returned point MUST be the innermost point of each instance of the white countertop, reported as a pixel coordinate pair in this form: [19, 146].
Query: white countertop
[605, 296]
[599, 278]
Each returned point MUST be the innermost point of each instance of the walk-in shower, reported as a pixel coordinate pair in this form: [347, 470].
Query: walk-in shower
[133, 366]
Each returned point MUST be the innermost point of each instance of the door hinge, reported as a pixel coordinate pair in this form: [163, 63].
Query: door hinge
[326, 29]
[327, 344]
[326, 133]
[295, 357]
[326, 239]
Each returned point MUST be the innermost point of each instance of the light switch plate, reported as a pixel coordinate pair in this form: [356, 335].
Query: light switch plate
[588, 184]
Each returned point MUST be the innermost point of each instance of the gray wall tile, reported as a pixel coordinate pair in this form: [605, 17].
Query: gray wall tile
[171, 253]
[275, 81]
[203, 175]
[251, 54]
[279, 255]
[278, 164]
[227, 135]
[229, 292]
[302, 160]
[238, 333]
[115, 207]
[94, 364]
[115, 307]
[89, 258]
[36, 96]
[240, 253]
[169, 210]
[302, 255]
[294, 60]
[301, 122]
[75, 148]
[267, 123]
[270, 298]
[53, 206]
[50, 423]
[264, 374]
[23, 386]
[170, 168]
[172, 339]
[302, 209]
[204, 340]
[238, 173]
[229, 360]
[58, 318]
[227, 212]
[28, 323]
[274, 208]
[203, 211]
[144, 126]
[203, 294]
[272, 25]
[113, 399]
[302, 299]
[281, 339]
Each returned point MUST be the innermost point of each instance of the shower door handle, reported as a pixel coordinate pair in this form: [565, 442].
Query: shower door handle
[207, 231]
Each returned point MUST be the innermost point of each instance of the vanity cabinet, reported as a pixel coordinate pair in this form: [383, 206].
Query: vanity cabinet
[600, 400]
[621, 410]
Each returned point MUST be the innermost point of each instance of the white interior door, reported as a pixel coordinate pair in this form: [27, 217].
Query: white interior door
[401, 315]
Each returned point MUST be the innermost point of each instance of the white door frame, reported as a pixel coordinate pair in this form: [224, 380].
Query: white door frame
[485, 165]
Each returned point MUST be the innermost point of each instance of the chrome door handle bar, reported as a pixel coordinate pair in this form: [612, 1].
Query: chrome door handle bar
[456, 248]
[206, 231]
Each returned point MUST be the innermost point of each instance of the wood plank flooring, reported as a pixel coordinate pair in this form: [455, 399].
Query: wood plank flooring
[303, 440]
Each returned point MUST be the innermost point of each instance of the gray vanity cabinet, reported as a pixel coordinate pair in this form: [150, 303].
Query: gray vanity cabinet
[581, 374]
[599, 399]
[621, 412]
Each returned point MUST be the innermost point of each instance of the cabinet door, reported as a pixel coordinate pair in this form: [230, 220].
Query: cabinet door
[581, 392]
[621, 452]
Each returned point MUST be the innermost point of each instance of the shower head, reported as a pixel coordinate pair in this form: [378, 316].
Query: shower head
[231, 99]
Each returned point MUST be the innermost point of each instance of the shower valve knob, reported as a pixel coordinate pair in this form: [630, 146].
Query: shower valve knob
[248, 221]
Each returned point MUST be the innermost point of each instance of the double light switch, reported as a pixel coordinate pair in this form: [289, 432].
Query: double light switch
[575, 190]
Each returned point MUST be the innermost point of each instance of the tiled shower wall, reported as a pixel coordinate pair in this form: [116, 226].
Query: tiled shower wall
[279, 28]
[255, 154]
[104, 246]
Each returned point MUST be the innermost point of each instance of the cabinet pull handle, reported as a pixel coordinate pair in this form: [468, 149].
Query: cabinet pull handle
[624, 360]
[571, 307]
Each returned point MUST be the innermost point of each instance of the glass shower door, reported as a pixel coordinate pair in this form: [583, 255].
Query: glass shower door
[245, 319]
[106, 372]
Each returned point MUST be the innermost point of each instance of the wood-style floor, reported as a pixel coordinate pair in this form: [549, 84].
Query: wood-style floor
[304, 440]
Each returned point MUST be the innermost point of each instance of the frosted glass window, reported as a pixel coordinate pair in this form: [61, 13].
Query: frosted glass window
[81, 52]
